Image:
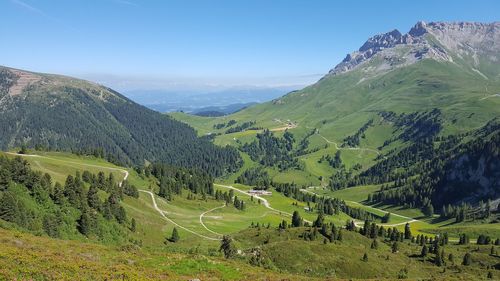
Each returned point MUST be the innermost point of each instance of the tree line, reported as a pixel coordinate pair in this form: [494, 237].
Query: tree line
[32, 201]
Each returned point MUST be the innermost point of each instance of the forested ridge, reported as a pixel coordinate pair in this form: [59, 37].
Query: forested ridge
[470, 170]
[61, 114]
[433, 170]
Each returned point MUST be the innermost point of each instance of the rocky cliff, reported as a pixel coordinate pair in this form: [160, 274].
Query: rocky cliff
[467, 41]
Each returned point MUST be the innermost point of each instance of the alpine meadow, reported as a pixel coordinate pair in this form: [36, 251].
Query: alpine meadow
[385, 167]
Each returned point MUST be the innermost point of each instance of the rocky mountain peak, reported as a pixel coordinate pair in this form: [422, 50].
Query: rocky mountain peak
[386, 40]
[418, 29]
[456, 39]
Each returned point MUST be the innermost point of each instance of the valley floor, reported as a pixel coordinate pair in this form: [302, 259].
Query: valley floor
[201, 224]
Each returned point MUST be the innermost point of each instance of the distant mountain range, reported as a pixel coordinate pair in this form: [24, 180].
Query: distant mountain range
[193, 101]
[215, 111]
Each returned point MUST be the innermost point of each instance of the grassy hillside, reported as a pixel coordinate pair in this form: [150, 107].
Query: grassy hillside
[352, 107]
[285, 254]
[27, 257]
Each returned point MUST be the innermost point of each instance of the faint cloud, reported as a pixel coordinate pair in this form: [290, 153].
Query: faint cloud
[126, 82]
[29, 7]
[125, 2]
[37, 11]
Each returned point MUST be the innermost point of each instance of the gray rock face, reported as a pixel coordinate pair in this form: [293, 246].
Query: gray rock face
[435, 40]
[386, 40]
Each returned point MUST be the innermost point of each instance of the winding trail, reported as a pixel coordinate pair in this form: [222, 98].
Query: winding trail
[125, 172]
[263, 200]
[201, 219]
[155, 205]
[349, 148]
[358, 224]
[162, 213]
[408, 219]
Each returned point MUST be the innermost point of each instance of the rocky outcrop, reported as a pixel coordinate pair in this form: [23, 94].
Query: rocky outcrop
[436, 40]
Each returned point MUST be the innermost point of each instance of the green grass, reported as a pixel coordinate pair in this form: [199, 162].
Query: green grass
[343, 259]
[27, 257]
[338, 106]
[195, 257]
[356, 194]
[60, 165]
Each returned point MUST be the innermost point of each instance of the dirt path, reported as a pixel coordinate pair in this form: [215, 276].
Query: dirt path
[349, 148]
[408, 219]
[125, 172]
[263, 200]
[201, 219]
[162, 213]
[359, 224]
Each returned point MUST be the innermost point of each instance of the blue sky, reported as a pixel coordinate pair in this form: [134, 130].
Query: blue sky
[133, 44]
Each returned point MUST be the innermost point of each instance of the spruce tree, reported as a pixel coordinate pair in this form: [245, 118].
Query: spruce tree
[407, 231]
[93, 198]
[84, 223]
[8, 207]
[395, 247]
[424, 251]
[133, 225]
[175, 236]
[296, 219]
[227, 247]
[467, 259]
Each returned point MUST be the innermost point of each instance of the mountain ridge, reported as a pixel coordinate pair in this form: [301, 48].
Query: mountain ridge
[448, 36]
[63, 113]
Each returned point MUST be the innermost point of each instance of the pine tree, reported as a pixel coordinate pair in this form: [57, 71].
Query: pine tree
[175, 236]
[374, 244]
[8, 207]
[296, 219]
[227, 247]
[84, 223]
[438, 259]
[395, 247]
[93, 198]
[365, 257]
[467, 259]
[424, 251]
[407, 231]
[133, 225]
[51, 224]
[386, 218]
[428, 210]
[319, 220]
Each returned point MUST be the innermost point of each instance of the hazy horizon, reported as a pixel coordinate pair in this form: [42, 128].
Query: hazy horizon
[186, 45]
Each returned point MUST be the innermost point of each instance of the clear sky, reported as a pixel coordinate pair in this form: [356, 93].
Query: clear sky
[132, 43]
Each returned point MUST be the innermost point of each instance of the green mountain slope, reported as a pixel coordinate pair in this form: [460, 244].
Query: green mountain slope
[62, 113]
[392, 103]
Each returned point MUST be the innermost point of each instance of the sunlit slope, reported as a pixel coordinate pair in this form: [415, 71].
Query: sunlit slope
[340, 105]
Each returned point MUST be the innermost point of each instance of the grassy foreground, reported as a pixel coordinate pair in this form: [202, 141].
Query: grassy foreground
[27, 257]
